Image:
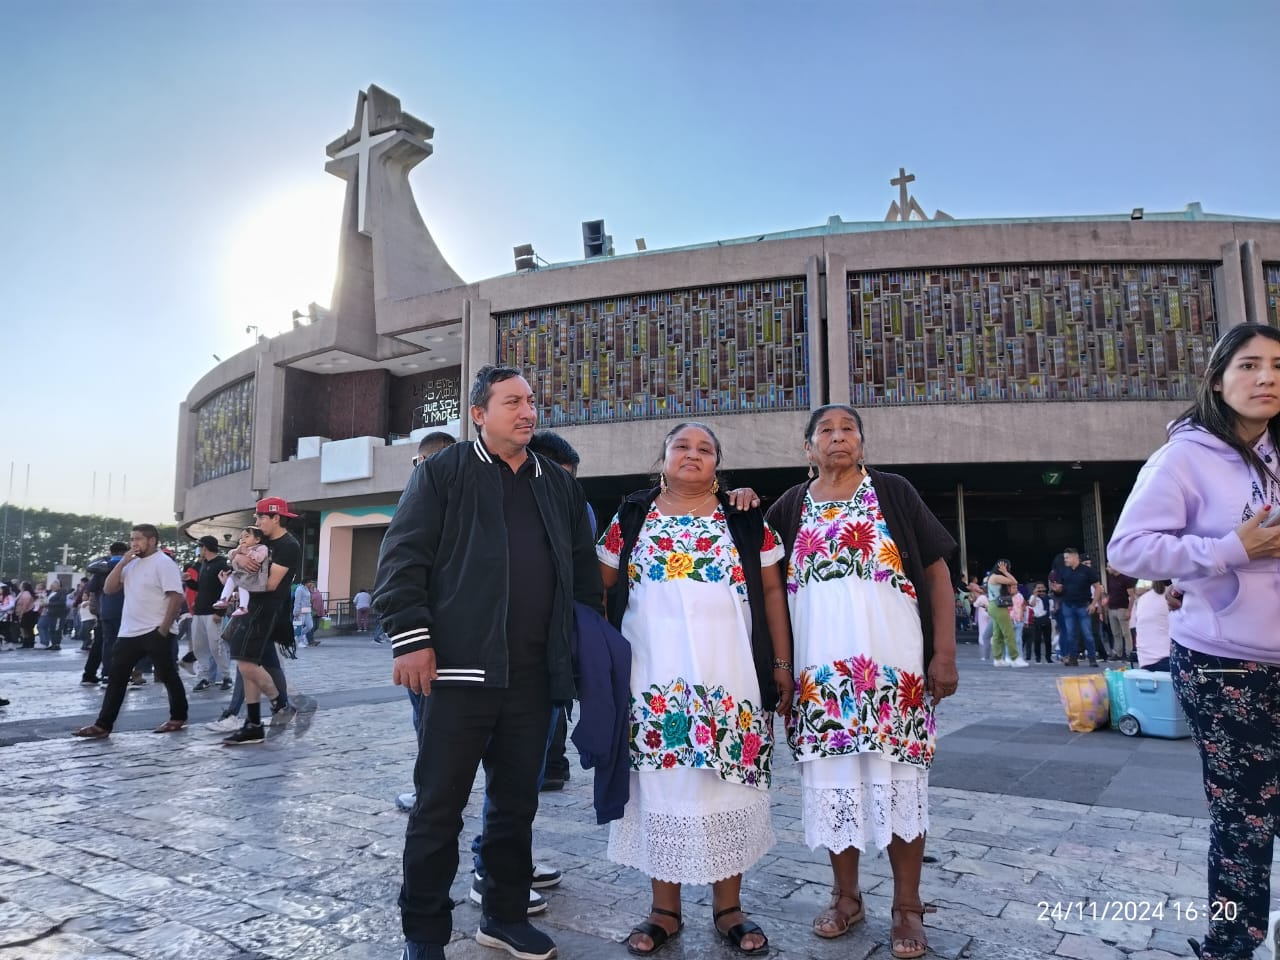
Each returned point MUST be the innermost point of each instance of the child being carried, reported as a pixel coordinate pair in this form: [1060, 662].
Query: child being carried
[242, 580]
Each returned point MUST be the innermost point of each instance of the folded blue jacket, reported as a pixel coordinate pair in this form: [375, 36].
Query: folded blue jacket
[602, 671]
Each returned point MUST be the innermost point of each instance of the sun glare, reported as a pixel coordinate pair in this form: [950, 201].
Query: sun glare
[284, 256]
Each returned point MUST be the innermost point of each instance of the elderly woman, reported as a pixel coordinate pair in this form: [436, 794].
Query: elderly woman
[1203, 513]
[696, 587]
[871, 610]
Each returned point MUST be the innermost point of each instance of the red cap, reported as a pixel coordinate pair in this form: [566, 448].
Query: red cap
[274, 507]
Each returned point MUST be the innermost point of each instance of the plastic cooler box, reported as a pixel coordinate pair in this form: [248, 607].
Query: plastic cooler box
[1151, 707]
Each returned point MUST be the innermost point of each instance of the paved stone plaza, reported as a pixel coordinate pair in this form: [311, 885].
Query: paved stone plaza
[172, 846]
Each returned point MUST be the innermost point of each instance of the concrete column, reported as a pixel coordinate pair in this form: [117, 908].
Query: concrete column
[268, 427]
[837, 330]
[1228, 286]
[184, 474]
[816, 325]
[479, 346]
[1253, 282]
[964, 541]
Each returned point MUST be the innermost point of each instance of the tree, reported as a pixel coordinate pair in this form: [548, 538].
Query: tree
[31, 541]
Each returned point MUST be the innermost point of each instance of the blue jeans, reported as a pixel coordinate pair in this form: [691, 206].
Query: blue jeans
[484, 811]
[1078, 623]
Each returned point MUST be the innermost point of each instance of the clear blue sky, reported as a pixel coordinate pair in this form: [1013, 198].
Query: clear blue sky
[158, 154]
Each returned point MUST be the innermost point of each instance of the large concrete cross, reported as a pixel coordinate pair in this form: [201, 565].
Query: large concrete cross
[360, 149]
[65, 551]
[901, 181]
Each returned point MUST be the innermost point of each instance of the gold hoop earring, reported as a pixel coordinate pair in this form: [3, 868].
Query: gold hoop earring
[715, 485]
[662, 481]
[811, 474]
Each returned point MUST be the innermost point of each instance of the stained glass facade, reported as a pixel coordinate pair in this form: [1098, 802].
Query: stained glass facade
[724, 349]
[1060, 331]
[224, 432]
[1271, 278]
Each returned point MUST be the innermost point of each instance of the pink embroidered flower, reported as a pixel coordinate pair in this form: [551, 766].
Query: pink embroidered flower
[864, 671]
[702, 733]
[832, 708]
[914, 749]
[809, 542]
[750, 748]
[886, 712]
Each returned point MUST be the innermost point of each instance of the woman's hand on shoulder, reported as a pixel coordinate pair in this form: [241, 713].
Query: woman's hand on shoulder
[743, 498]
[1260, 542]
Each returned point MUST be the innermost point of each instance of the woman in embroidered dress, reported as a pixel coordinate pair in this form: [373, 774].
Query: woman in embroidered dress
[871, 610]
[702, 601]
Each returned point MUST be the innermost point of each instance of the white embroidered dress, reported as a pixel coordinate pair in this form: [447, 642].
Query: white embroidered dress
[700, 744]
[862, 727]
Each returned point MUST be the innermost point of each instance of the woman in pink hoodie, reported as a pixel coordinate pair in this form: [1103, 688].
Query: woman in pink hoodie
[1205, 513]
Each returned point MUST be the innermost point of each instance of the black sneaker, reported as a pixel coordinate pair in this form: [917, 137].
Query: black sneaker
[544, 876]
[227, 683]
[88, 681]
[520, 939]
[282, 714]
[537, 902]
[249, 734]
[421, 951]
[202, 685]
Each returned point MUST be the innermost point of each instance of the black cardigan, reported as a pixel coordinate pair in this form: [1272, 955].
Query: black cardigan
[746, 529]
[921, 539]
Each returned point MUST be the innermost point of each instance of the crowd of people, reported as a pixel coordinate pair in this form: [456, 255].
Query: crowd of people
[1067, 614]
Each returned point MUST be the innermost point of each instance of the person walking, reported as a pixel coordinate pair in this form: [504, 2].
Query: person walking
[487, 552]
[212, 662]
[152, 585]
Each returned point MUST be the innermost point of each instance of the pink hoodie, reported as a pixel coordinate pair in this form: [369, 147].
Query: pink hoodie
[1179, 524]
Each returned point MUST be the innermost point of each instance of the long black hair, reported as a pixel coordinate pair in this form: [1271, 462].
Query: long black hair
[1210, 411]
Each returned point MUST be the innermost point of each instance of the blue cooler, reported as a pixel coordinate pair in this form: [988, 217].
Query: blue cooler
[1151, 706]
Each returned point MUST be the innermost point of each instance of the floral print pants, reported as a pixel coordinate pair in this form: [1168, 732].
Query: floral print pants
[1233, 709]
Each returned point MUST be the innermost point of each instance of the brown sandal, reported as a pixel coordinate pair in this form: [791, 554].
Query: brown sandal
[834, 922]
[904, 943]
[92, 732]
[170, 726]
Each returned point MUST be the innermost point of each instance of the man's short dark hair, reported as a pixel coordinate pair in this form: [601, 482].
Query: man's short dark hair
[147, 530]
[555, 448]
[1066, 550]
[435, 441]
[486, 377]
[118, 549]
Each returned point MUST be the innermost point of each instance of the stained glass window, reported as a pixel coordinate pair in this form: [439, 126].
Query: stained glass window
[724, 349]
[224, 432]
[1035, 332]
[1271, 279]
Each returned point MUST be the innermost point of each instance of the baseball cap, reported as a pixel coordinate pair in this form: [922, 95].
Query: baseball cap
[208, 542]
[274, 507]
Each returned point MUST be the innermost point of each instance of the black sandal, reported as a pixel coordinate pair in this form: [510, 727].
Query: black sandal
[657, 934]
[739, 931]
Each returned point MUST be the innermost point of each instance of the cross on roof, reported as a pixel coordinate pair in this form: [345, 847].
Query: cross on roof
[65, 551]
[906, 205]
[361, 149]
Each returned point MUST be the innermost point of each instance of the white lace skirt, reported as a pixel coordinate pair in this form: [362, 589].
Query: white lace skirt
[862, 801]
[689, 826]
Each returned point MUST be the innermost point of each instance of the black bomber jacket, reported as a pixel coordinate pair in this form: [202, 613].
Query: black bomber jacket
[442, 572]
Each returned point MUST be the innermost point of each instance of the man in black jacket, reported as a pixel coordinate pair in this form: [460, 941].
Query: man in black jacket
[488, 550]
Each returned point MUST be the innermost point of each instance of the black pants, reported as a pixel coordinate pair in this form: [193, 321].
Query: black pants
[1039, 640]
[1233, 710]
[128, 651]
[94, 660]
[557, 763]
[459, 728]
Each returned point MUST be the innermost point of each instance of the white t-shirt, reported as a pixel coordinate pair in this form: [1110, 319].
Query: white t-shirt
[146, 581]
[1151, 619]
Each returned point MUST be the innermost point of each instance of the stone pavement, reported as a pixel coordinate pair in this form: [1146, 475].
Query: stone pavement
[159, 847]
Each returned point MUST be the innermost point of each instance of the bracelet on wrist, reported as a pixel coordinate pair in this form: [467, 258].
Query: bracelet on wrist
[779, 664]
